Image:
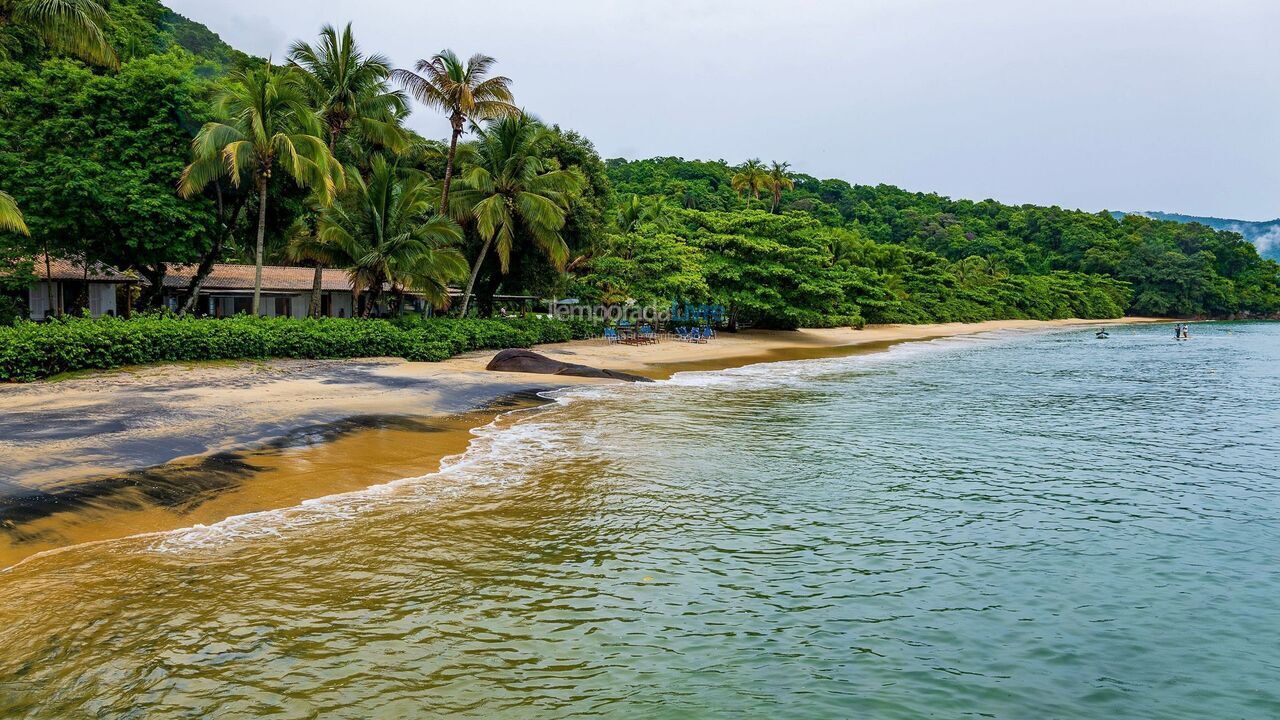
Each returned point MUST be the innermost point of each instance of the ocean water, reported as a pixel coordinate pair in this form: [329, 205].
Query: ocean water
[1001, 526]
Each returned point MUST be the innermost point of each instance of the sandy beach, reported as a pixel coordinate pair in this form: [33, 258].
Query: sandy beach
[145, 449]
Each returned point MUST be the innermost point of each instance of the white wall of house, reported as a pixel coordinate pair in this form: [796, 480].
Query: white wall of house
[102, 299]
[299, 304]
[39, 299]
[340, 304]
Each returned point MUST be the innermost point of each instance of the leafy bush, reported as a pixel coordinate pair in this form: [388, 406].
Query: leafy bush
[29, 351]
[12, 310]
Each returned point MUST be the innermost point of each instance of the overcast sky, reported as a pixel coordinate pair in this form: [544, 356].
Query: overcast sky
[1118, 104]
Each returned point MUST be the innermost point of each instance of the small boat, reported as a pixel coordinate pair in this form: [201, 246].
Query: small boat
[1102, 335]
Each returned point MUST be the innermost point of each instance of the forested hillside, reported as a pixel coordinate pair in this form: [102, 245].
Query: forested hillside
[93, 147]
[980, 249]
[92, 154]
[1264, 234]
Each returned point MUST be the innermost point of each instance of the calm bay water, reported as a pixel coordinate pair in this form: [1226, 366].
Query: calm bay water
[1001, 526]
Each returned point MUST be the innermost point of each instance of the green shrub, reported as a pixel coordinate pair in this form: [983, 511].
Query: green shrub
[12, 310]
[29, 351]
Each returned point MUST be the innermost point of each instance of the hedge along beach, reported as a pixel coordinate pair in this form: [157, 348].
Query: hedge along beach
[168, 446]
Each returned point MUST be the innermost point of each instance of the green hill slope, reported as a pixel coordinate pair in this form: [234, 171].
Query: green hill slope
[1265, 234]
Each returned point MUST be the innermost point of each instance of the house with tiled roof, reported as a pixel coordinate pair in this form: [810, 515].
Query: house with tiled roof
[286, 291]
[71, 287]
[226, 291]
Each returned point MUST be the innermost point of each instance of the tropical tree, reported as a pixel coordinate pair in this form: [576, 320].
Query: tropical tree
[70, 26]
[349, 89]
[267, 123]
[382, 230]
[513, 192]
[779, 180]
[751, 178]
[11, 216]
[636, 211]
[462, 91]
[306, 248]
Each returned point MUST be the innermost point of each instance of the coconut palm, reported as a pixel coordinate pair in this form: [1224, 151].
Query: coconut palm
[383, 232]
[511, 191]
[463, 92]
[779, 180]
[11, 216]
[349, 89]
[267, 123]
[636, 211]
[70, 26]
[305, 247]
[976, 270]
[751, 178]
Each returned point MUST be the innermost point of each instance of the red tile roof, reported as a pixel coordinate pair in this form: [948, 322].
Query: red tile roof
[72, 270]
[274, 278]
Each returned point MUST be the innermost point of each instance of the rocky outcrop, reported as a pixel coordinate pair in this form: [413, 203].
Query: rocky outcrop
[527, 361]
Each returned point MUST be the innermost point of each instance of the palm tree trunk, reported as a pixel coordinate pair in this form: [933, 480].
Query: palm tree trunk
[456, 121]
[262, 233]
[48, 284]
[317, 290]
[475, 272]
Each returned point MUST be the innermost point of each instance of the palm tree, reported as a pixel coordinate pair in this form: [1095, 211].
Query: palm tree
[751, 178]
[70, 26]
[383, 231]
[463, 92]
[511, 191]
[306, 247]
[973, 270]
[11, 216]
[350, 90]
[267, 123]
[778, 181]
[636, 211]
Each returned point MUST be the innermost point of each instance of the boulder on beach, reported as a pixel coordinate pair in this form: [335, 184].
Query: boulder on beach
[527, 361]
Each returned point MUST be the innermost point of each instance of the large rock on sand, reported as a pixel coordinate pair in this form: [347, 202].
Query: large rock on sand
[527, 361]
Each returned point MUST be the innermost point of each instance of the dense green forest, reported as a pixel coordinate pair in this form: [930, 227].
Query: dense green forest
[165, 145]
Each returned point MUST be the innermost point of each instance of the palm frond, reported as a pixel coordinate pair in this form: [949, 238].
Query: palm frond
[11, 216]
[71, 26]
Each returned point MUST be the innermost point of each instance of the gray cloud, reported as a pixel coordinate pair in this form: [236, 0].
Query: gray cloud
[1120, 104]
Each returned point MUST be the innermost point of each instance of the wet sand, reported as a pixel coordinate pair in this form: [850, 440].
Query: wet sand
[162, 447]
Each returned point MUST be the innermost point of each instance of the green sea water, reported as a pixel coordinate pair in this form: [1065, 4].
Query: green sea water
[1001, 526]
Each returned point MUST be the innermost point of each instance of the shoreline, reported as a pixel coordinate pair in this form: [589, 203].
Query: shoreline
[325, 437]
